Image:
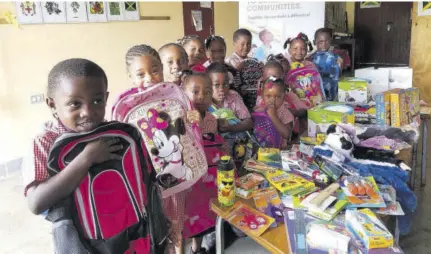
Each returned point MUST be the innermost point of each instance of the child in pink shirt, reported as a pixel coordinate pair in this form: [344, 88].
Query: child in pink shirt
[242, 46]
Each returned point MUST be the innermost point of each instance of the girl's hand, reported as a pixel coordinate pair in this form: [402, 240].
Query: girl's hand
[272, 112]
[102, 150]
[193, 117]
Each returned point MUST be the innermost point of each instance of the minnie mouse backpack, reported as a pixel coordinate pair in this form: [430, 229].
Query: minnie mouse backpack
[175, 145]
[265, 131]
[117, 207]
[305, 81]
[251, 73]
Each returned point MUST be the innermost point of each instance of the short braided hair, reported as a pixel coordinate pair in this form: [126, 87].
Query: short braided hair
[138, 51]
[212, 38]
[72, 68]
[273, 64]
[189, 38]
[183, 51]
[217, 68]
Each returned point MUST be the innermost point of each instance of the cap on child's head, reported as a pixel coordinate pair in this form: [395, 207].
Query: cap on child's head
[301, 36]
[178, 46]
[212, 38]
[138, 51]
[241, 32]
[72, 68]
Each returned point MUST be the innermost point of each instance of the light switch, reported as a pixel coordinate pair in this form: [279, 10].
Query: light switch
[37, 98]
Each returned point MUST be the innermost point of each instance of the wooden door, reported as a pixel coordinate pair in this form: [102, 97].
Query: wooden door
[190, 23]
[384, 32]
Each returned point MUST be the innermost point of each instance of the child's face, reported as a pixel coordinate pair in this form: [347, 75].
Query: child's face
[146, 71]
[272, 71]
[298, 50]
[200, 92]
[242, 45]
[80, 103]
[217, 52]
[195, 51]
[220, 85]
[173, 64]
[323, 41]
[273, 95]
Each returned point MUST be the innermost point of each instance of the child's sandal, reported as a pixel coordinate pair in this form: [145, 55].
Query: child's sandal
[200, 251]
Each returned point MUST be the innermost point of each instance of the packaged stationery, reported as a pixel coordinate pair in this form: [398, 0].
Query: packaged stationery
[249, 220]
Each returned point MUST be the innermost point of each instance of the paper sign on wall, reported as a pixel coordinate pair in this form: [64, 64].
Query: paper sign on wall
[197, 20]
[276, 21]
[131, 11]
[115, 11]
[206, 5]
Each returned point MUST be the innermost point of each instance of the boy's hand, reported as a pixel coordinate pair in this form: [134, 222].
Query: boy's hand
[102, 150]
[193, 117]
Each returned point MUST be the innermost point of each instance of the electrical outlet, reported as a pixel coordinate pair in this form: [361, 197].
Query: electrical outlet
[37, 98]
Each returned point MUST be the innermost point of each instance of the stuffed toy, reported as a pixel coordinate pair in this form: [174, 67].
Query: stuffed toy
[382, 165]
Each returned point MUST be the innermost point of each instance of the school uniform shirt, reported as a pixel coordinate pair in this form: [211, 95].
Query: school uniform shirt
[234, 102]
[234, 60]
[34, 168]
[286, 117]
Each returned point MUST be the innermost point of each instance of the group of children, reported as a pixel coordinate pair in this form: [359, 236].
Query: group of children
[78, 91]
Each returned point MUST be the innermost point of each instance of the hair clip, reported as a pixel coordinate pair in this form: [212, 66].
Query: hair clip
[272, 78]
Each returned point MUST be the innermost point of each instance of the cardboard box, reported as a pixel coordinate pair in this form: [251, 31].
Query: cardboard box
[353, 91]
[412, 107]
[327, 113]
[383, 107]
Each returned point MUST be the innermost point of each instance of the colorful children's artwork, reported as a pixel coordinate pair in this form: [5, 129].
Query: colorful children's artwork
[96, 11]
[29, 12]
[424, 8]
[76, 12]
[115, 11]
[54, 12]
[131, 11]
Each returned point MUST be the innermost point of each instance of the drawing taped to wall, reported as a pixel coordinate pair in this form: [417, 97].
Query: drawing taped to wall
[96, 11]
[424, 8]
[131, 11]
[28, 12]
[54, 12]
[115, 11]
[76, 12]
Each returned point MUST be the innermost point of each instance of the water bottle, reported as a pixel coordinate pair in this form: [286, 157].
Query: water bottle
[226, 181]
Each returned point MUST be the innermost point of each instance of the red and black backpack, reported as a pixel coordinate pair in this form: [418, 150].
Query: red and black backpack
[117, 206]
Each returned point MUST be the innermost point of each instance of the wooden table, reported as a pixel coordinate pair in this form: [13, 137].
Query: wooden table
[274, 239]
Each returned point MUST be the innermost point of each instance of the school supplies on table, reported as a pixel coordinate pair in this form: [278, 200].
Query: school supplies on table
[327, 209]
[393, 207]
[336, 239]
[249, 220]
[246, 184]
[268, 155]
[258, 167]
[287, 183]
[371, 231]
[268, 201]
[362, 192]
